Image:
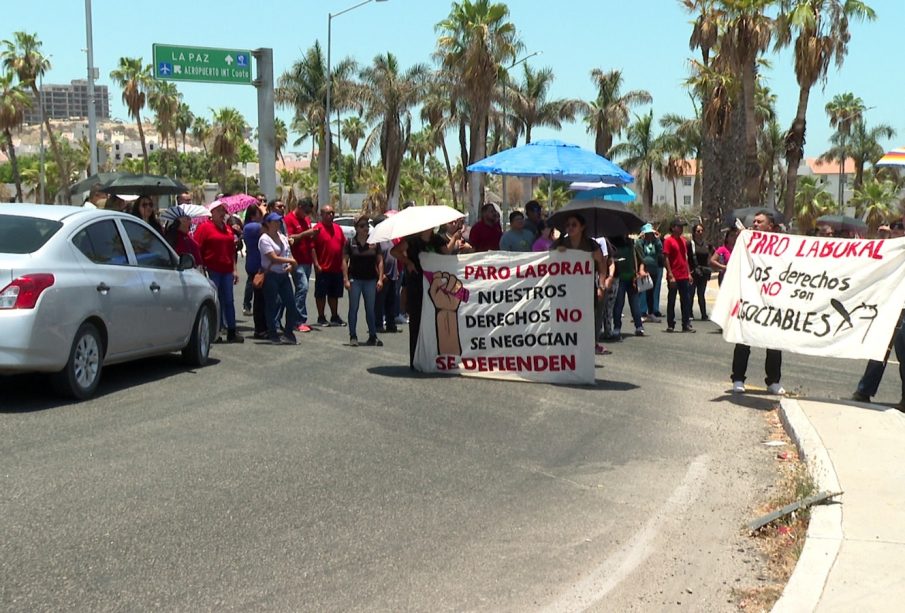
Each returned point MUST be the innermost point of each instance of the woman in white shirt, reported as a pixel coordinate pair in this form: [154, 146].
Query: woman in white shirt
[277, 262]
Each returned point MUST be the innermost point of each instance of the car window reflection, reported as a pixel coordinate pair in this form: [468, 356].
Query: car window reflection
[150, 251]
[102, 244]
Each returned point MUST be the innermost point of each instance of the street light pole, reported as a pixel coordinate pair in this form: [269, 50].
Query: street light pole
[323, 192]
[92, 115]
[41, 181]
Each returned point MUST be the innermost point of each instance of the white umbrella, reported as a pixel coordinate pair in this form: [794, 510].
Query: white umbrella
[183, 210]
[413, 220]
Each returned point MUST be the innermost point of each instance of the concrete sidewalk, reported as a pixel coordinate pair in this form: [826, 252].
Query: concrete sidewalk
[854, 556]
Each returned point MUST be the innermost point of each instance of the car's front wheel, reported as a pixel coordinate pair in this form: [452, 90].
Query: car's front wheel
[82, 373]
[198, 350]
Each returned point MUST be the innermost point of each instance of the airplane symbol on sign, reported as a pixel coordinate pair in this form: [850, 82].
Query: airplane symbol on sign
[164, 69]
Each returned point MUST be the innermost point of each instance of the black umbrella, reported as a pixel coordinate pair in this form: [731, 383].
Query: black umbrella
[144, 185]
[603, 217]
[843, 223]
[85, 184]
[746, 216]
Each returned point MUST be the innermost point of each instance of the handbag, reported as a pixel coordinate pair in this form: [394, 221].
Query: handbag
[643, 282]
[257, 281]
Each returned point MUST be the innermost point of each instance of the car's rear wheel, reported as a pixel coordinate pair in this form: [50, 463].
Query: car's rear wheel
[197, 352]
[82, 373]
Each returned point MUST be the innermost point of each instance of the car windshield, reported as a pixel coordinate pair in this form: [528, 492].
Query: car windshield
[25, 234]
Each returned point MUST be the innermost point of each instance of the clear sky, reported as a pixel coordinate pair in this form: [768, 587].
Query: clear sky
[646, 39]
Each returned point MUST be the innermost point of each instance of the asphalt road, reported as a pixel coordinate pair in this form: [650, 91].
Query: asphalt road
[326, 478]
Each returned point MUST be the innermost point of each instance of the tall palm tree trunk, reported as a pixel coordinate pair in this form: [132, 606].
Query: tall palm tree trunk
[449, 174]
[675, 197]
[14, 164]
[62, 170]
[478, 152]
[144, 146]
[752, 166]
[795, 151]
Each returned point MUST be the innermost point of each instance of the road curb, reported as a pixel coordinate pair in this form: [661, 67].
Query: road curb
[824, 535]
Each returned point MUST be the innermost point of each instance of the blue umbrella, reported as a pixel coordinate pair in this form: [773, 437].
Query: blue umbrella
[613, 193]
[555, 160]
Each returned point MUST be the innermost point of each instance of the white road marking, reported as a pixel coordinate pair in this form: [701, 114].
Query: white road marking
[596, 585]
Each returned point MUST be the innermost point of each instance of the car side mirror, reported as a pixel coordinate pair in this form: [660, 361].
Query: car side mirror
[186, 261]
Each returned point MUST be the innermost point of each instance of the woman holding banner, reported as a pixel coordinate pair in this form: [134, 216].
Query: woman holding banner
[576, 237]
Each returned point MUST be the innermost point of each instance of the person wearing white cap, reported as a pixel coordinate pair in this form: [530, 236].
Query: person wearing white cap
[120, 202]
[652, 255]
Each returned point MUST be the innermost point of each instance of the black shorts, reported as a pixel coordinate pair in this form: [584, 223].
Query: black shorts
[328, 285]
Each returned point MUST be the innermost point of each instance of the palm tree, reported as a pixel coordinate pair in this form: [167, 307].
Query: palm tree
[683, 137]
[875, 201]
[811, 202]
[22, 55]
[388, 95]
[183, 121]
[303, 88]
[438, 112]
[475, 40]
[770, 152]
[530, 106]
[642, 152]
[228, 137]
[135, 78]
[820, 29]
[13, 102]
[608, 114]
[164, 99]
[843, 111]
[863, 146]
[747, 34]
[281, 136]
[354, 129]
[705, 32]
[201, 131]
[421, 146]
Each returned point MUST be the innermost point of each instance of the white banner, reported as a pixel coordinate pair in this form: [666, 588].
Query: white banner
[504, 315]
[832, 297]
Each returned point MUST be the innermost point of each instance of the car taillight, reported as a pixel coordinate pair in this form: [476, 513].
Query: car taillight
[24, 291]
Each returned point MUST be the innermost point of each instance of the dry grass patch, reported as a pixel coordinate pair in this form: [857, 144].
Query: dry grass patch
[780, 542]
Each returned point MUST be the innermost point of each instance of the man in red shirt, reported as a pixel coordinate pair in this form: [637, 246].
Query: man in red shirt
[486, 233]
[218, 254]
[678, 277]
[329, 244]
[298, 223]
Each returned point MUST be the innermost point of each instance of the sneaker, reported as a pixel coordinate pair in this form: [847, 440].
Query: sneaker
[392, 330]
[373, 341]
[260, 336]
[381, 330]
[337, 322]
[658, 314]
[353, 342]
[859, 397]
[322, 321]
[246, 312]
[303, 328]
[640, 332]
[289, 338]
[738, 387]
[688, 329]
[776, 388]
[653, 319]
[274, 340]
[670, 329]
[234, 337]
[402, 319]
[601, 350]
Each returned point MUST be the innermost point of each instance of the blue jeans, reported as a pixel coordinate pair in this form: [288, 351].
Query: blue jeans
[224, 284]
[368, 289]
[626, 287]
[386, 307]
[683, 289]
[301, 277]
[277, 285]
[873, 374]
[249, 292]
[649, 301]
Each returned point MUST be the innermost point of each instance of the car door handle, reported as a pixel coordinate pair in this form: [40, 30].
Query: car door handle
[103, 288]
[155, 287]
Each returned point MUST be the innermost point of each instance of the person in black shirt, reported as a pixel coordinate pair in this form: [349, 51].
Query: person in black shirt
[362, 276]
[408, 251]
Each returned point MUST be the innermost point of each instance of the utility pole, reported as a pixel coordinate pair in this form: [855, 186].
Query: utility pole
[267, 139]
[92, 114]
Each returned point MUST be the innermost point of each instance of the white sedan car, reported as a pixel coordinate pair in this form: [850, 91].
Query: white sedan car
[81, 288]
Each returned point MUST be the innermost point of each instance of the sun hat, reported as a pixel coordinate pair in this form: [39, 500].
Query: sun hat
[128, 197]
[210, 207]
[647, 229]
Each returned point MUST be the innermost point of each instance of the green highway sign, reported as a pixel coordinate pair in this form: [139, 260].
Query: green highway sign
[202, 64]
